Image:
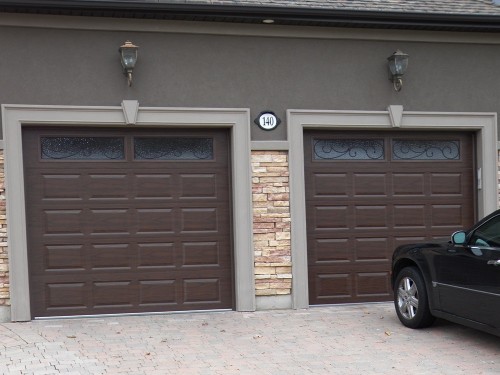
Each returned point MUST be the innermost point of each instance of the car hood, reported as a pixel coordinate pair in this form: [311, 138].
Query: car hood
[440, 243]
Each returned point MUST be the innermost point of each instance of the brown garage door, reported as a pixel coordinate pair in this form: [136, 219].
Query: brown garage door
[368, 193]
[127, 221]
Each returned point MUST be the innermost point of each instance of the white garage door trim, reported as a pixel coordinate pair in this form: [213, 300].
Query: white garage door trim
[484, 124]
[238, 120]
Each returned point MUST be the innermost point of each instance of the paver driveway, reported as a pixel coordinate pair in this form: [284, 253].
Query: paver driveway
[351, 339]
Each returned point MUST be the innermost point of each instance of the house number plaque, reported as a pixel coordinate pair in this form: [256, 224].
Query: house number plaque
[267, 120]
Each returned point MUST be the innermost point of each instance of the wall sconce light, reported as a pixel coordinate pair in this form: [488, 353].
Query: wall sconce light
[398, 62]
[128, 54]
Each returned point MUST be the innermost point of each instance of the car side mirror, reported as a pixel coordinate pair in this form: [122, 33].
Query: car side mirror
[458, 238]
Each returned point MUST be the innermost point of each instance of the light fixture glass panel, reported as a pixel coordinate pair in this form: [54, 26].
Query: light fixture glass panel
[398, 62]
[400, 65]
[129, 58]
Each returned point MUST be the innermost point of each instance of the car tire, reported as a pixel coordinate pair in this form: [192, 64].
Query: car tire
[410, 299]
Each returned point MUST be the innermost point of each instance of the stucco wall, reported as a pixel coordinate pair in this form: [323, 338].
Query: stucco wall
[266, 68]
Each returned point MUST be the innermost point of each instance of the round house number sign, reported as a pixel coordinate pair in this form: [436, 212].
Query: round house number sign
[267, 120]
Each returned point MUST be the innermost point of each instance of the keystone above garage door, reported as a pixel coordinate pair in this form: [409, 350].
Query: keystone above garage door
[127, 220]
[366, 193]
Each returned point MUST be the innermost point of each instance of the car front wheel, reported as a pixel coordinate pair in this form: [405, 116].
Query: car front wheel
[410, 299]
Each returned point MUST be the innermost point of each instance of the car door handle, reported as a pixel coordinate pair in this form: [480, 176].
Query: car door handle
[494, 262]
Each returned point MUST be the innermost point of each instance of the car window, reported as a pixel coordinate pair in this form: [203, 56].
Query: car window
[488, 234]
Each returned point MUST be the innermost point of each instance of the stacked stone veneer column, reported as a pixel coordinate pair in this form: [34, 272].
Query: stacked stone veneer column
[271, 228]
[4, 261]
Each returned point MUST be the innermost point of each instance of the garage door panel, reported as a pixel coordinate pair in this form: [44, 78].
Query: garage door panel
[329, 185]
[332, 287]
[447, 184]
[335, 286]
[108, 221]
[106, 294]
[154, 220]
[61, 186]
[331, 250]
[111, 256]
[367, 193]
[103, 293]
[369, 184]
[373, 284]
[201, 254]
[57, 222]
[372, 249]
[157, 292]
[198, 185]
[66, 295]
[342, 250]
[207, 290]
[153, 186]
[64, 257]
[330, 217]
[410, 216]
[156, 255]
[408, 184]
[107, 186]
[199, 220]
[447, 215]
[373, 217]
[126, 236]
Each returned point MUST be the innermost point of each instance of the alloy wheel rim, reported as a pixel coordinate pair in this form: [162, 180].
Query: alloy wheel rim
[407, 298]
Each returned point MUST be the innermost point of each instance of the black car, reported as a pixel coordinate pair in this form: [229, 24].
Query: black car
[458, 280]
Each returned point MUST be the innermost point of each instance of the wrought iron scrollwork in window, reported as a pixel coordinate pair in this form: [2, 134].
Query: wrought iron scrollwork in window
[82, 148]
[169, 148]
[348, 149]
[425, 150]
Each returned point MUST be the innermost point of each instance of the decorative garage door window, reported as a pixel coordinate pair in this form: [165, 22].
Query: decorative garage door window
[168, 148]
[348, 149]
[425, 150]
[82, 148]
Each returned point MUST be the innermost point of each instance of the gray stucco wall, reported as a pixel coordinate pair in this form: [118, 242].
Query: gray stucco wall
[58, 66]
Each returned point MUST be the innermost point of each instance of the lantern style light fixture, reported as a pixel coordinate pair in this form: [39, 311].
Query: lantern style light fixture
[128, 54]
[398, 62]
